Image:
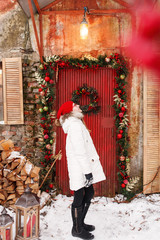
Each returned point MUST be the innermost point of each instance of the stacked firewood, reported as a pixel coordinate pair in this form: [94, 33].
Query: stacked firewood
[16, 172]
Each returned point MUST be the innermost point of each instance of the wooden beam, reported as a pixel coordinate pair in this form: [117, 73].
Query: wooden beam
[41, 33]
[35, 29]
[51, 5]
[122, 3]
[91, 12]
[37, 6]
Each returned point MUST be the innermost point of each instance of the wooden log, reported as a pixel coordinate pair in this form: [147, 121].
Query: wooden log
[20, 187]
[27, 168]
[8, 166]
[6, 172]
[11, 202]
[9, 160]
[34, 172]
[5, 183]
[4, 192]
[11, 187]
[2, 197]
[11, 176]
[34, 186]
[10, 191]
[20, 190]
[35, 191]
[5, 154]
[11, 196]
[24, 177]
[19, 183]
[35, 179]
[28, 180]
[15, 163]
[21, 165]
[6, 145]
[18, 178]
[45, 197]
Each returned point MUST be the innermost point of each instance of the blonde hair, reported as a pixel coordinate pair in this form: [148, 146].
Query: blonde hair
[64, 117]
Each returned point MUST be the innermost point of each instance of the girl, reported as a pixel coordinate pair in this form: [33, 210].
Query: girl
[84, 167]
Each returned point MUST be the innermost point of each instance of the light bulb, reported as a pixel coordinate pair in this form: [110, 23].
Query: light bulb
[84, 29]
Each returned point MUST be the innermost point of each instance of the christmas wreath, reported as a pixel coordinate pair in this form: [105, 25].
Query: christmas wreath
[91, 92]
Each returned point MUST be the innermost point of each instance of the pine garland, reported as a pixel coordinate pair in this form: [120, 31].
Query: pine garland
[47, 72]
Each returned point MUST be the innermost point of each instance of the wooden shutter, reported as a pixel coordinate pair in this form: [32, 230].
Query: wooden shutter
[151, 133]
[12, 91]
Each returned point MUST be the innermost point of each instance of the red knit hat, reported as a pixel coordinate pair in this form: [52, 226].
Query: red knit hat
[66, 107]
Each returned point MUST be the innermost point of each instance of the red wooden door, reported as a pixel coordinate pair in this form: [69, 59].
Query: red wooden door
[101, 125]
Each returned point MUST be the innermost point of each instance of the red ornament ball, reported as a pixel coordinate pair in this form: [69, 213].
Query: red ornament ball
[51, 81]
[123, 185]
[46, 136]
[119, 91]
[47, 190]
[120, 114]
[119, 136]
[47, 79]
[121, 131]
[40, 89]
[123, 109]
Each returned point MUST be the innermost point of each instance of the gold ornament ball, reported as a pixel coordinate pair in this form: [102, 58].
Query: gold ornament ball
[122, 76]
[127, 159]
[45, 108]
[41, 66]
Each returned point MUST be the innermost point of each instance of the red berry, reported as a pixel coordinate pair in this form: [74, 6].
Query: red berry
[51, 185]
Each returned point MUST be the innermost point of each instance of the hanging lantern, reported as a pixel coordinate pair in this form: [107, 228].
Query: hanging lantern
[6, 223]
[27, 216]
[84, 26]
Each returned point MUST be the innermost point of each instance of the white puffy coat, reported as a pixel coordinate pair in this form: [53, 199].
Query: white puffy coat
[82, 157]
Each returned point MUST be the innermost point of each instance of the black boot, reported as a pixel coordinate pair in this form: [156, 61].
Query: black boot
[87, 227]
[78, 230]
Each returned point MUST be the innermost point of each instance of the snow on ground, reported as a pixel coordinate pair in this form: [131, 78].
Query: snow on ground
[139, 219]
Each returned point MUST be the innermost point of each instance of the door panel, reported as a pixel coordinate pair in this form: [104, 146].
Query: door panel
[101, 125]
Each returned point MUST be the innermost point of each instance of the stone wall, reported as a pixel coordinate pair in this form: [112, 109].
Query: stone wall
[15, 42]
[25, 137]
